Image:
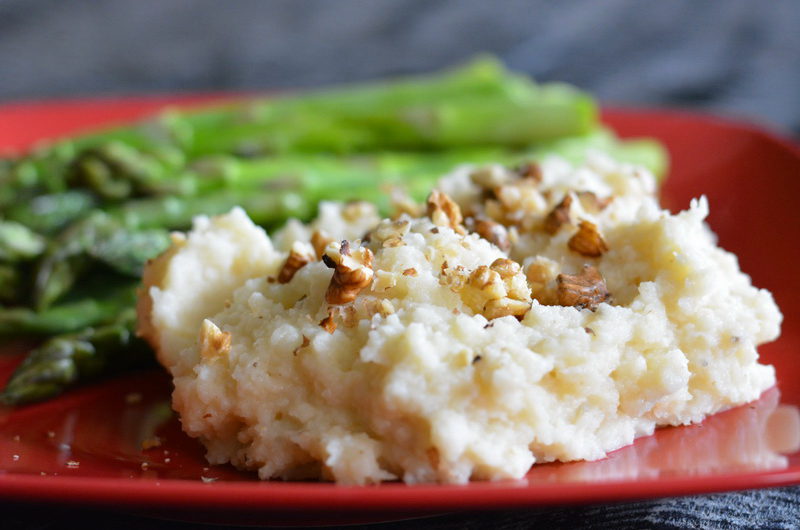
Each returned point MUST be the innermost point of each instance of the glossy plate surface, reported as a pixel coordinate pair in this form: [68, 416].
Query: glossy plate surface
[87, 447]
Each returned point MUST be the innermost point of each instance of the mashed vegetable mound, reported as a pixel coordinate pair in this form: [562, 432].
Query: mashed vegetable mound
[543, 313]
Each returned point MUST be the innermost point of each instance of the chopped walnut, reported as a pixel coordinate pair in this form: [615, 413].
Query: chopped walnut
[214, 343]
[320, 240]
[390, 233]
[520, 200]
[328, 323]
[588, 241]
[489, 177]
[503, 307]
[497, 290]
[393, 242]
[515, 282]
[305, 343]
[299, 256]
[484, 278]
[349, 315]
[559, 216]
[492, 232]
[444, 212]
[453, 277]
[517, 203]
[410, 272]
[381, 307]
[530, 170]
[355, 210]
[494, 210]
[592, 203]
[352, 272]
[505, 267]
[585, 290]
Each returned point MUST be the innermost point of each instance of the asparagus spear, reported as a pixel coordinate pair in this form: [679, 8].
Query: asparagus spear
[67, 360]
[116, 171]
[479, 105]
[18, 242]
[99, 237]
[86, 310]
[47, 214]
[10, 280]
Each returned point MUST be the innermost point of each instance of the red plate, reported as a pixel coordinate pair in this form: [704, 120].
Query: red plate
[86, 447]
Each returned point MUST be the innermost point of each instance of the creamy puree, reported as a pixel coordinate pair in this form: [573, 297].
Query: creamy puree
[544, 313]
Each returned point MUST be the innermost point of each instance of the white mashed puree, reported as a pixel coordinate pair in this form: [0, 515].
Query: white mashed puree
[428, 353]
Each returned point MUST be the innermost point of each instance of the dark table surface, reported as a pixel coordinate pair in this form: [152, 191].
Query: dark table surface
[738, 58]
[766, 508]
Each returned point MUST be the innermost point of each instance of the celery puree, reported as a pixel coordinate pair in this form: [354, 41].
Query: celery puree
[521, 316]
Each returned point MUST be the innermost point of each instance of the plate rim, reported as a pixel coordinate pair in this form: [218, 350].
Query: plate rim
[281, 496]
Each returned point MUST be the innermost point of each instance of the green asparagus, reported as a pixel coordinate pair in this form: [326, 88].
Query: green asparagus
[48, 214]
[10, 284]
[79, 218]
[67, 360]
[68, 316]
[479, 105]
[18, 242]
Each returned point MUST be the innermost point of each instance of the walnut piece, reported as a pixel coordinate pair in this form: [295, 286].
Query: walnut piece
[505, 267]
[503, 307]
[497, 290]
[389, 234]
[559, 216]
[214, 343]
[530, 170]
[492, 232]
[393, 242]
[489, 177]
[410, 272]
[352, 272]
[355, 210]
[320, 240]
[328, 323]
[299, 256]
[519, 204]
[592, 203]
[453, 277]
[381, 307]
[444, 212]
[348, 315]
[585, 290]
[303, 344]
[588, 241]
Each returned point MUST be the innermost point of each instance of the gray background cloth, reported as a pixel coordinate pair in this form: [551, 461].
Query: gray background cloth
[739, 58]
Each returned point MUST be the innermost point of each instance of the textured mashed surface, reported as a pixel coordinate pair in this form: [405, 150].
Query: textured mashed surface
[451, 362]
